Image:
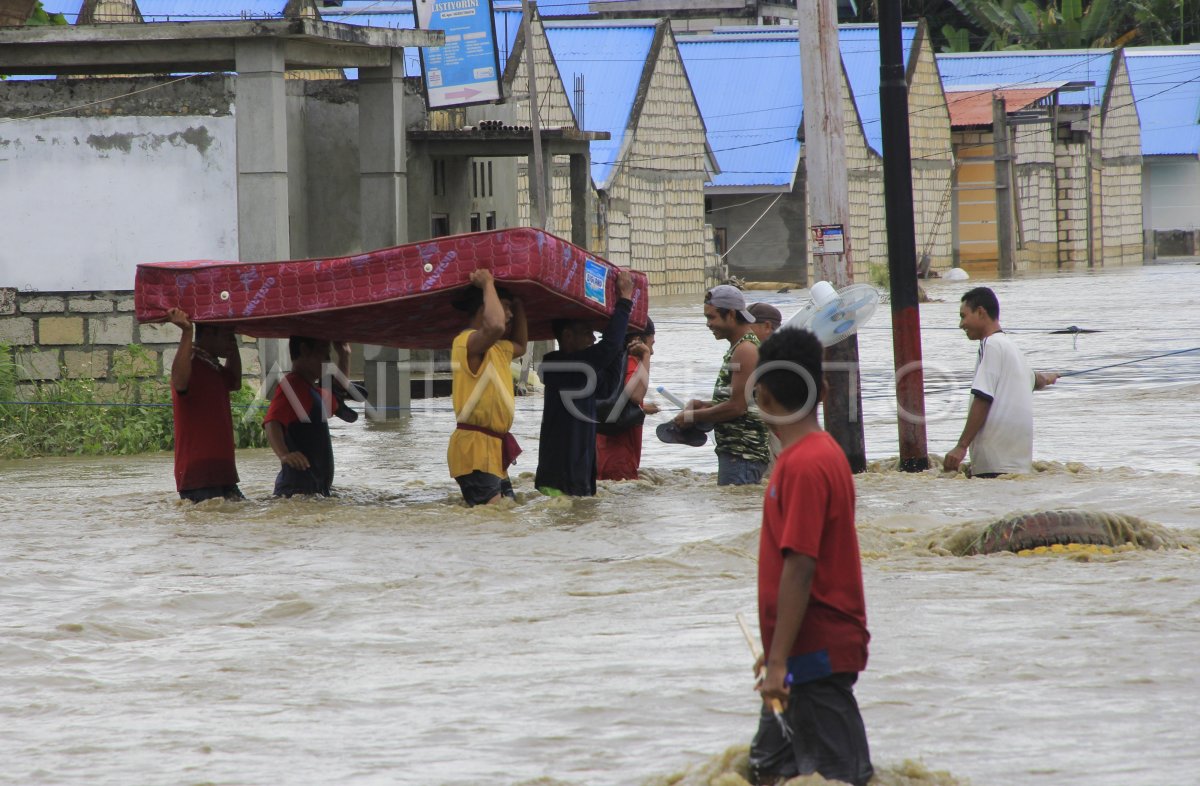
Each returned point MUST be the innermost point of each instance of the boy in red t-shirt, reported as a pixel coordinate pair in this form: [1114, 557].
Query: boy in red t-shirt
[811, 609]
[200, 386]
[297, 422]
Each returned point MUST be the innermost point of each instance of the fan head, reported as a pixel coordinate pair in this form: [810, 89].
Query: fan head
[835, 315]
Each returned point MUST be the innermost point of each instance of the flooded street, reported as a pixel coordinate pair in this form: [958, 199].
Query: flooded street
[393, 636]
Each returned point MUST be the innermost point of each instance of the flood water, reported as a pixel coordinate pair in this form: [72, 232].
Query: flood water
[392, 636]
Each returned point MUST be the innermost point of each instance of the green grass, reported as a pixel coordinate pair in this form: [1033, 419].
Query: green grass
[79, 417]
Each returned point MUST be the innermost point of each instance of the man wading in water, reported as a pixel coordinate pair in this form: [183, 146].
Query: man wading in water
[743, 449]
[481, 449]
[999, 427]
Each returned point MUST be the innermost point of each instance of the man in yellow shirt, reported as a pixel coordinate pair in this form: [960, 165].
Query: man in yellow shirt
[481, 447]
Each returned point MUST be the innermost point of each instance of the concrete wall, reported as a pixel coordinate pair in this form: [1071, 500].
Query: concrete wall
[85, 335]
[776, 249]
[1171, 193]
[90, 192]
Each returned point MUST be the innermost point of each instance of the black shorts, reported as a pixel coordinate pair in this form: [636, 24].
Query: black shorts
[232, 493]
[828, 736]
[478, 488]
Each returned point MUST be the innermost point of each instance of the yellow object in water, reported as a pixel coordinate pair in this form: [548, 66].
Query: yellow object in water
[1070, 548]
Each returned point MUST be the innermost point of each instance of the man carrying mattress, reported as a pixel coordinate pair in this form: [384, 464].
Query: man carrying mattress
[481, 449]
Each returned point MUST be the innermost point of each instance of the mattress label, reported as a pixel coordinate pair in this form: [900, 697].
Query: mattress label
[595, 282]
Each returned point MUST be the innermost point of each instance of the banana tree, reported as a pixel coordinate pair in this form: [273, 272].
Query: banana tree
[1034, 24]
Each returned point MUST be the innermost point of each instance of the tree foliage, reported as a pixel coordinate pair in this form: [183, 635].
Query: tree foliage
[980, 25]
[41, 17]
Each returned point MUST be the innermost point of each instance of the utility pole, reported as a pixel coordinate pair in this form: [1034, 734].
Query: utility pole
[902, 242]
[828, 187]
[1005, 223]
[537, 172]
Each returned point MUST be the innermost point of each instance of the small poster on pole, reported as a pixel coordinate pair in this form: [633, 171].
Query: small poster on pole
[466, 70]
[829, 239]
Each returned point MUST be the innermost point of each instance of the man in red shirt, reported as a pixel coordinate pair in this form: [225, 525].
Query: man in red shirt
[200, 386]
[811, 609]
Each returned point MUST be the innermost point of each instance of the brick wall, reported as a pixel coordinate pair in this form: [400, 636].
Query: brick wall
[663, 183]
[1037, 198]
[932, 158]
[75, 335]
[1120, 225]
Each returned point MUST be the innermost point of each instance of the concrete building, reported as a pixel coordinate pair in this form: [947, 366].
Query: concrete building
[648, 176]
[226, 160]
[1166, 87]
[758, 202]
[1075, 157]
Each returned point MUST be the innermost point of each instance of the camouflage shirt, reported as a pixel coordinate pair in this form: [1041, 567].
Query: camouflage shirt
[745, 435]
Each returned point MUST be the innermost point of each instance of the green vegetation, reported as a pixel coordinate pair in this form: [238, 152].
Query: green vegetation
[41, 16]
[86, 417]
[982, 25]
[878, 272]
[1068, 24]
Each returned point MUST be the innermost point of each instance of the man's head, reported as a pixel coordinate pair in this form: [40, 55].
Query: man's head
[217, 339]
[766, 320]
[471, 302]
[308, 356]
[725, 310]
[573, 334]
[979, 313]
[789, 382]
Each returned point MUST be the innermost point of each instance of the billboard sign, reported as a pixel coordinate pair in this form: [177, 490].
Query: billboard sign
[466, 70]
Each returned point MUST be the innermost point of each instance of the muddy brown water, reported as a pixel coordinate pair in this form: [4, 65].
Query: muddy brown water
[392, 636]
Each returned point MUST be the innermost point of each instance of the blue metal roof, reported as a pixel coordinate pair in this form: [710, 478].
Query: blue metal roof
[751, 120]
[860, 56]
[1030, 69]
[611, 60]
[1166, 89]
[209, 10]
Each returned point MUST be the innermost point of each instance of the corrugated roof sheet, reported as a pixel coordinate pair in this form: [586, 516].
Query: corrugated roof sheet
[974, 107]
[751, 120]
[1030, 69]
[205, 10]
[1166, 87]
[859, 46]
[860, 55]
[611, 60]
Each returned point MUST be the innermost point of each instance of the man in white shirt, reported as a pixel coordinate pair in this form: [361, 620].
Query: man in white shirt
[999, 428]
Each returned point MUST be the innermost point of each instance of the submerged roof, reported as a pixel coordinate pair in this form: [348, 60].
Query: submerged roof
[1025, 69]
[752, 121]
[1166, 87]
[611, 58]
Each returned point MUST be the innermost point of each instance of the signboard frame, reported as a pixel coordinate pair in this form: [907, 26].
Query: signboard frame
[464, 30]
[828, 239]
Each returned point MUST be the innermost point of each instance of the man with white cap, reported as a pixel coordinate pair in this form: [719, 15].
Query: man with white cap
[743, 447]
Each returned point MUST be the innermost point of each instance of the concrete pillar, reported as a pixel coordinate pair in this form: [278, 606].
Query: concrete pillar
[383, 191]
[261, 113]
[581, 229]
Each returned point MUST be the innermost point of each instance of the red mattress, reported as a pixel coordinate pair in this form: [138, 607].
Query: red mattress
[399, 296]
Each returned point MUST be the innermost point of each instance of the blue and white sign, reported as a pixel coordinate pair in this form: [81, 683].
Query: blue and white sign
[466, 70]
[595, 282]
